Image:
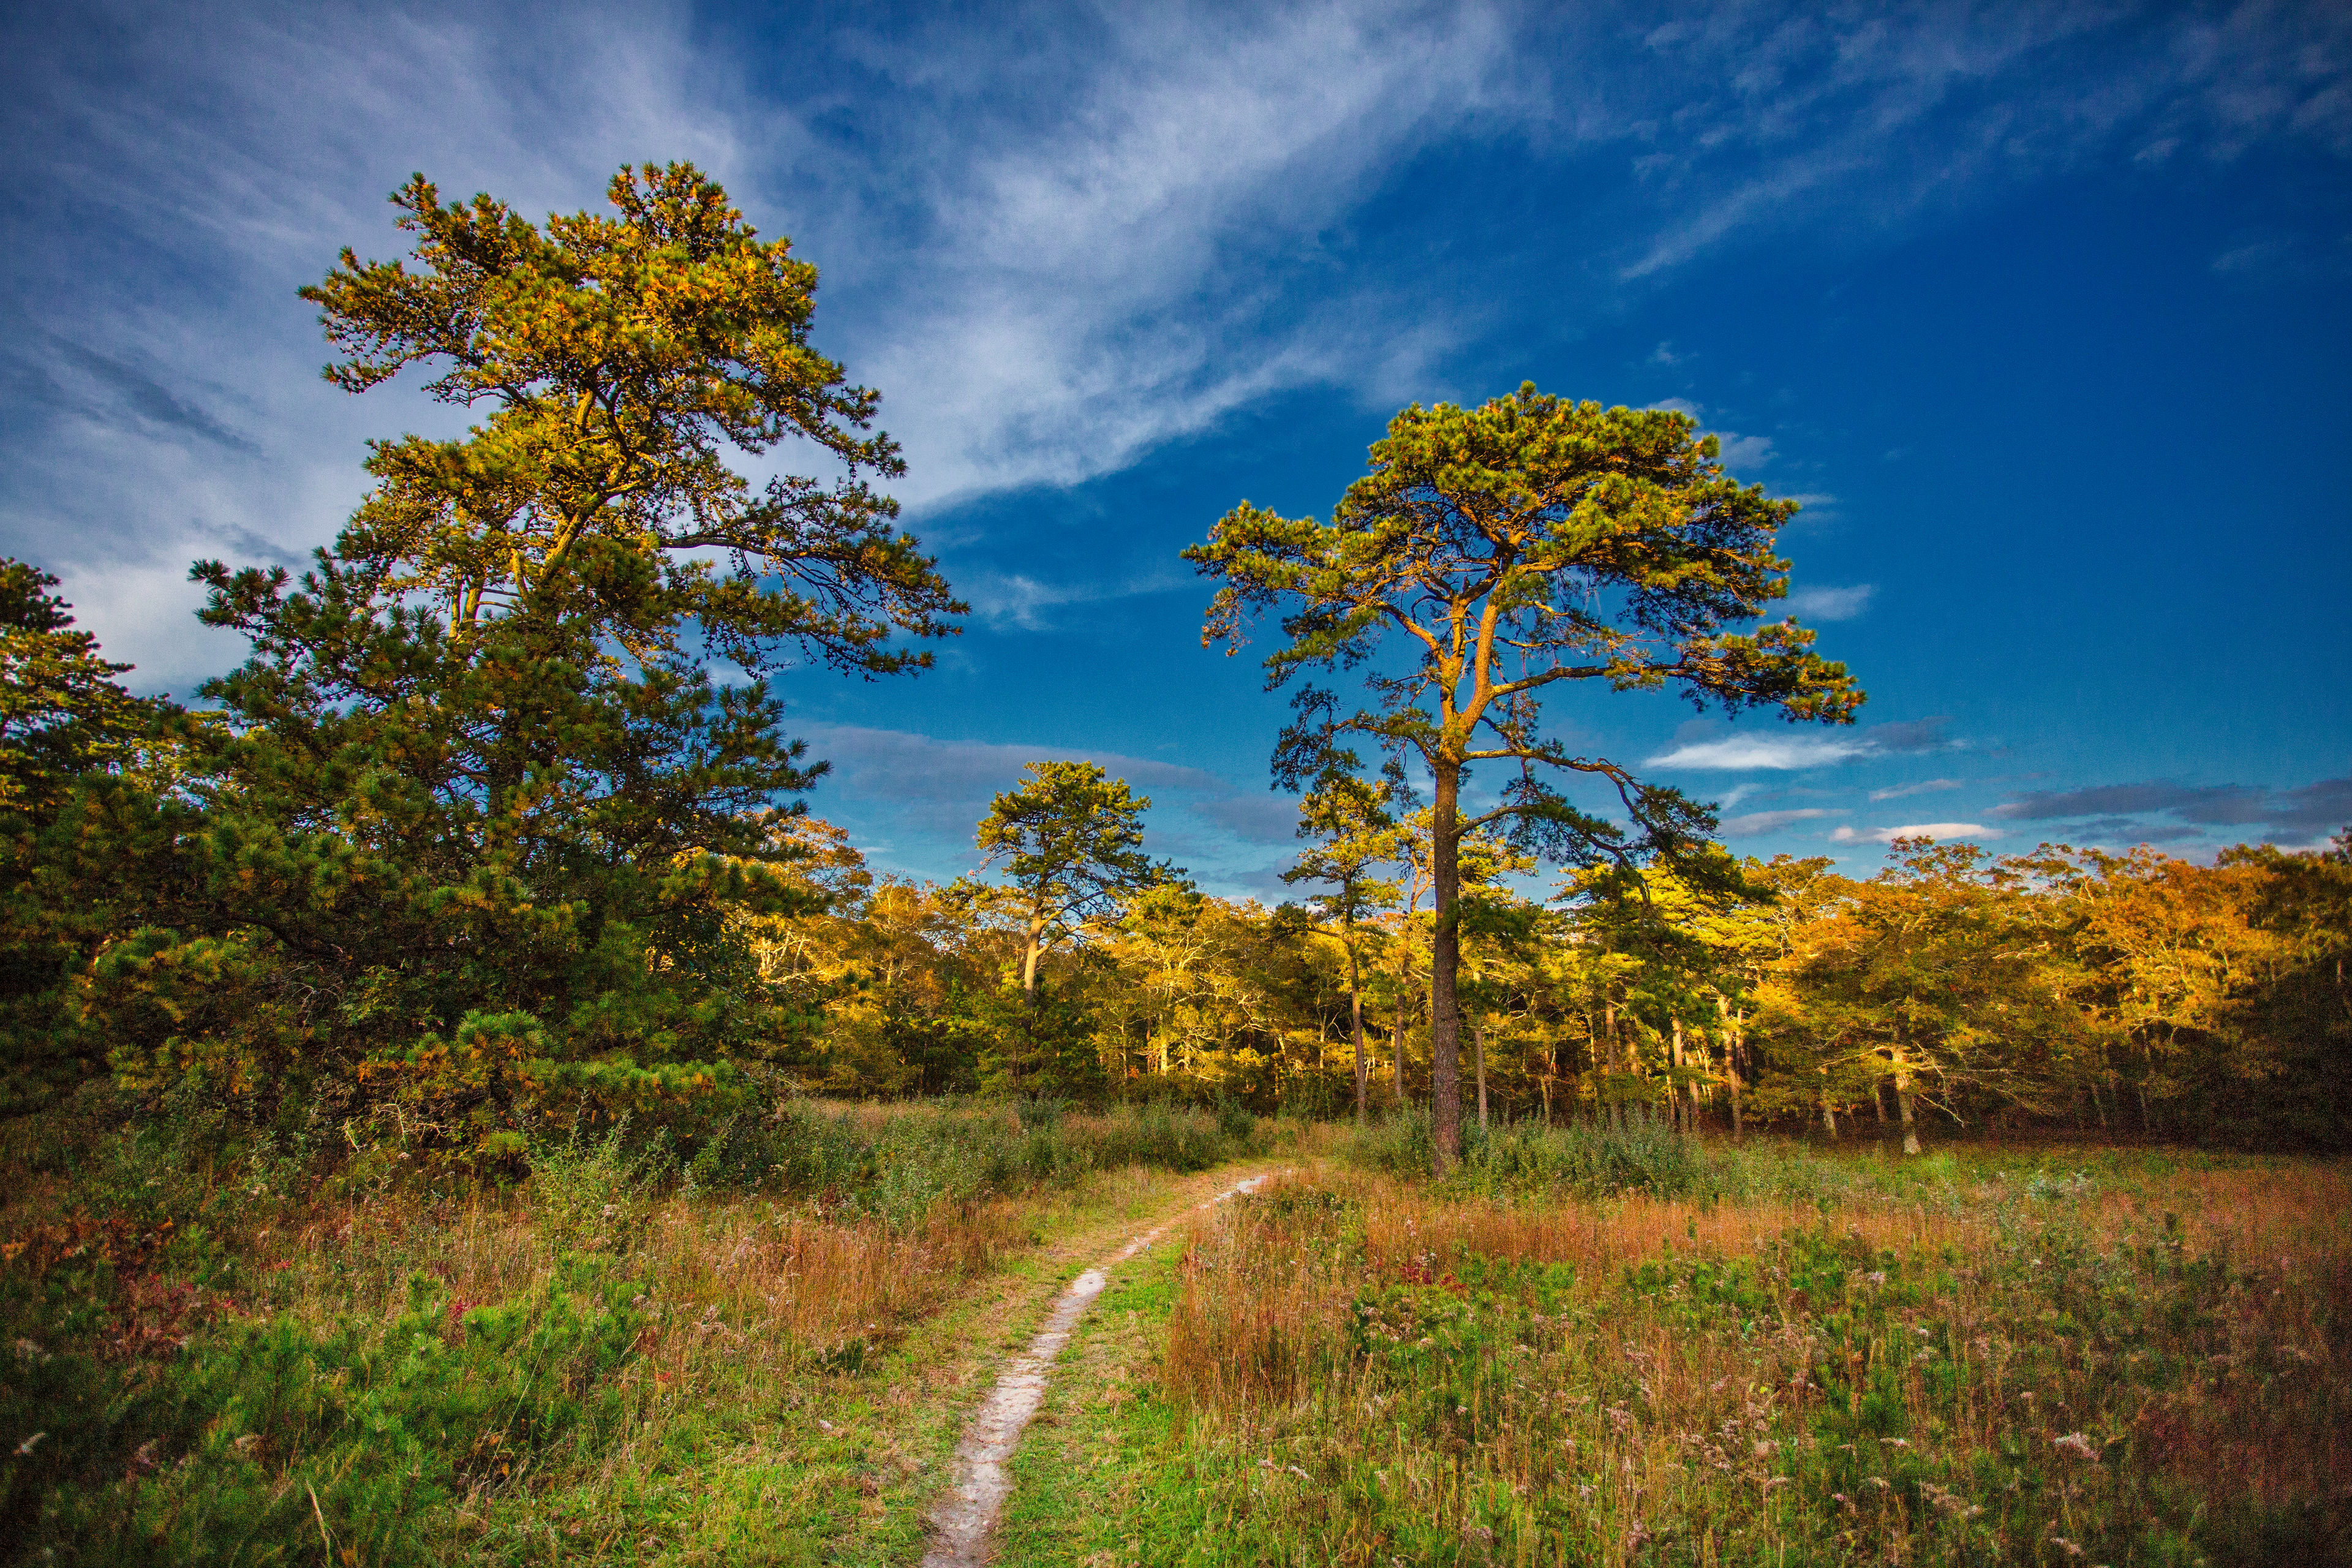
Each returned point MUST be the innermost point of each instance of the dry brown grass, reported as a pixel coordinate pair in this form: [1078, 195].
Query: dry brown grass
[2206, 1360]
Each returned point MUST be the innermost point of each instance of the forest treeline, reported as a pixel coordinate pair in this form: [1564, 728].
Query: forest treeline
[2074, 989]
[472, 842]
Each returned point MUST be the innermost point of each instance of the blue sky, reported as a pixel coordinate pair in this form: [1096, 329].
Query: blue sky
[2043, 311]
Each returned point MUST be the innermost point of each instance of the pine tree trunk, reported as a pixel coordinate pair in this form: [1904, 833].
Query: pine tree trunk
[1445, 967]
[1478, 1034]
[1029, 960]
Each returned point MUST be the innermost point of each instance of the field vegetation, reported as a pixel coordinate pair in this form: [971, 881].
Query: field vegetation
[619, 1361]
[2051, 1356]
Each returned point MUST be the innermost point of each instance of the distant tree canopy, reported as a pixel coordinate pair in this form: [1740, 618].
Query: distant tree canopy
[1493, 553]
[1352, 823]
[1070, 845]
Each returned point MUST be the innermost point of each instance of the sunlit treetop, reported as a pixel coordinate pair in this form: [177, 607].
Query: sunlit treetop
[622, 358]
[1491, 552]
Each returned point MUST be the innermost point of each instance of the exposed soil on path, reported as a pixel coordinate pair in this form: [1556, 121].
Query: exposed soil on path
[966, 1515]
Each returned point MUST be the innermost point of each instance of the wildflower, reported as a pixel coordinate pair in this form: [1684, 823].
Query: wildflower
[2078, 1444]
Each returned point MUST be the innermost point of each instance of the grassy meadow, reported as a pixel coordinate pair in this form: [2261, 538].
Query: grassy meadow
[1592, 1344]
[739, 1360]
[1762, 1355]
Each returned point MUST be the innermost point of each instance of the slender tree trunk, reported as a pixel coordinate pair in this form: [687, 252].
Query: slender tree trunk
[1828, 1111]
[1903, 1103]
[1676, 1061]
[1478, 1035]
[1878, 1101]
[1607, 1065]
[1444, 968]
[1356, 1010]
[1396, 1041]
[1733, 1025]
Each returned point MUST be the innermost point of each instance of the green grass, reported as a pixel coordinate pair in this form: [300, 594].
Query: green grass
[1086, 1468]
[2129, 1358]
[605, 1367]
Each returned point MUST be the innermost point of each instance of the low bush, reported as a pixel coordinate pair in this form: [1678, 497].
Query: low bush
[897, 1162]
[270, 1441]
[1587, 1159]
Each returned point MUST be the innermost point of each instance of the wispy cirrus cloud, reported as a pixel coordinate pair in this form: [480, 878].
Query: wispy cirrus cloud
[1019, 599]
[1056, 237]
[1925, 786]
[1755, 823]
[1785, 116]
[1830, 604]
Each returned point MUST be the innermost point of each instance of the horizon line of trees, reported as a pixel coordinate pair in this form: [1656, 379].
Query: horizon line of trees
[472, 835]
[2136, 993]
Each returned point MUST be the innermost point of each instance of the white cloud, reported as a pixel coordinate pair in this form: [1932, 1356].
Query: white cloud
[1831, 603]
[1700, 749]
[1941, 830]
[1759, 821]
[225, 159]
[1783, 752]
[1741, 453]
[1075, 303]
[1054, 240]
[1017, 599]
[1787, 119]
[1899, 792]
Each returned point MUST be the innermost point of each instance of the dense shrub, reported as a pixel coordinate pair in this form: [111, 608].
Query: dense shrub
[898, 1163]
[272, 1443]
[1587, 1158]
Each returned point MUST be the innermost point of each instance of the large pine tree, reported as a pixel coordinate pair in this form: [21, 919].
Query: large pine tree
[472, 828]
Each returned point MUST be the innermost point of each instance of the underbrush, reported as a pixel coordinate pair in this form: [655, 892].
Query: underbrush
[2151, 1364]
[210, 1365]
[898, 1161]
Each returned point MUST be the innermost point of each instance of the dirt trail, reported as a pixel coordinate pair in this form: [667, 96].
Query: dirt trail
[963, 1519]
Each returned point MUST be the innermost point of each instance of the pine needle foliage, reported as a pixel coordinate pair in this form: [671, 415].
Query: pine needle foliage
[473, 829]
